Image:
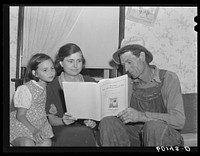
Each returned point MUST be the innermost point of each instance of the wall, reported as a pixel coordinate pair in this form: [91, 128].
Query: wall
[173, 42]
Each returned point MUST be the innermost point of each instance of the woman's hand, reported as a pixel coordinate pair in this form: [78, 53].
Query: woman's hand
[68, 119]
[90, 123]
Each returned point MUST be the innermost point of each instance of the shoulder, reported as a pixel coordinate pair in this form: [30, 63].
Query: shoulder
[23, 89]
[169, 75]
[54, 83]
[88, 79]
[171, 80]
[22, 97]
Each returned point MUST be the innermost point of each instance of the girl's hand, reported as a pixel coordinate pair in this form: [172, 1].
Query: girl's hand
[68, 119]
[38, 136]
[90, 123]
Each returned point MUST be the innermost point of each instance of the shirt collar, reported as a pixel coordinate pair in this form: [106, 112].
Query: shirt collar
[156, 76]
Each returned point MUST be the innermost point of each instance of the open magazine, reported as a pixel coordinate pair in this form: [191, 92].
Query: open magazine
[91, 100]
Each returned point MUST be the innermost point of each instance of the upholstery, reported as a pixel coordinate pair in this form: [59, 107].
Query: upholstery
[189, 131]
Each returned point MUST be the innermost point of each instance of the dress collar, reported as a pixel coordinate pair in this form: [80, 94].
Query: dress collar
[37, 84]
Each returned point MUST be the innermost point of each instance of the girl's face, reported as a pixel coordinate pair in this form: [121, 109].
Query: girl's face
[45, 71]
[72, 64]
[132, 64]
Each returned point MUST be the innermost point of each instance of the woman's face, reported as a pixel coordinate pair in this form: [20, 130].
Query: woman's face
[73, 64]
[132, 64]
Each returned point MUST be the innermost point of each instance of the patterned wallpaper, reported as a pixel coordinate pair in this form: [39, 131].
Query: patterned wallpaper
[173, 42]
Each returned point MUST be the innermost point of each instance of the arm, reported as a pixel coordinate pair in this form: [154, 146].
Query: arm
[55, 105]
[57, 121]
[172, 96]
[22, 100]
[21, 116]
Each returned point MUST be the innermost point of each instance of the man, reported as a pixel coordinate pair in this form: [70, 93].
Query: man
[156, 113]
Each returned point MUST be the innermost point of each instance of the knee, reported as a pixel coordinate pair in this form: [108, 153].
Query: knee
[108, 120]
[46, 143]
[154, 125]
[26, 142]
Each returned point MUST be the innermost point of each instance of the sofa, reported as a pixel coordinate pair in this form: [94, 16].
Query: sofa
[189, 131]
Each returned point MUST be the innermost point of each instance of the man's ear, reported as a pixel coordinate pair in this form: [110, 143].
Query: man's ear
[142, 56]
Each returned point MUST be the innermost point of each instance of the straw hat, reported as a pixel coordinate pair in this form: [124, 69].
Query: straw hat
[135, 44]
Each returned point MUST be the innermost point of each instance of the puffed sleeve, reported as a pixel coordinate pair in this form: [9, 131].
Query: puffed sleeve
[22, 97]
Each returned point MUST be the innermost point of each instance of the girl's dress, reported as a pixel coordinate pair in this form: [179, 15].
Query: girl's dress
[32, 97]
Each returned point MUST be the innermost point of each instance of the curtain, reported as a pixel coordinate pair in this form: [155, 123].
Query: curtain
[46, 29]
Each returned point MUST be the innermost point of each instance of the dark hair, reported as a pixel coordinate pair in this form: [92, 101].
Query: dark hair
[65, 51]
[33, 65]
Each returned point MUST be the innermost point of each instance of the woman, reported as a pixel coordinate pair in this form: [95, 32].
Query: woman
[67, 130]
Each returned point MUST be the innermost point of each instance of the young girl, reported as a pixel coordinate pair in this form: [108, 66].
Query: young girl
[28, 124]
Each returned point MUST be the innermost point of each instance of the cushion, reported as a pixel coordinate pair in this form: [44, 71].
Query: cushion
[190, 107]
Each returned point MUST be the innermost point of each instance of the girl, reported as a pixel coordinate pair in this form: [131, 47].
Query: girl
[28, 124]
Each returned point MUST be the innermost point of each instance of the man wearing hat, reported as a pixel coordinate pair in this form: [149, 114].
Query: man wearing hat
[155, 114]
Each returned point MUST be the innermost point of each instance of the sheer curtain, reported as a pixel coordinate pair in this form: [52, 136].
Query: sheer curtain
[46, 29]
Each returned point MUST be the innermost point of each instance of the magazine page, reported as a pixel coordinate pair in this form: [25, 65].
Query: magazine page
[82, 99]
[114, 95]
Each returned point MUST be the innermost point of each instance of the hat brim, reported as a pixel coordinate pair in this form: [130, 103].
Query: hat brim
[116, 55]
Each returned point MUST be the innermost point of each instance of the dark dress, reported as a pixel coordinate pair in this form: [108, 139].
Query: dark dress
[76, 134]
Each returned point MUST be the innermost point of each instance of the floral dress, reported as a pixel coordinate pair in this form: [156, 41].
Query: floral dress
[32, 97]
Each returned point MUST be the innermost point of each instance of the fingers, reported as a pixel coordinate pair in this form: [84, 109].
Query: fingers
[124, 116]
[122, 112]
[90, 123]
[68, 116]
[67, 120]
[39, 138]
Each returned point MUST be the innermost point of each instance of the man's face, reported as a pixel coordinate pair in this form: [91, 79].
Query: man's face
[133, 65]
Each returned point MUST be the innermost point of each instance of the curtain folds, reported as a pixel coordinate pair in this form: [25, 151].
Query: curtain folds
[46, 29]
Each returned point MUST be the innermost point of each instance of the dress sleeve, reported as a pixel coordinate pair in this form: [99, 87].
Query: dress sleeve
[22, 97]
[173, 100]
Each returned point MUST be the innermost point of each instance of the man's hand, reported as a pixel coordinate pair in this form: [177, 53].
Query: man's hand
[131, 115]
